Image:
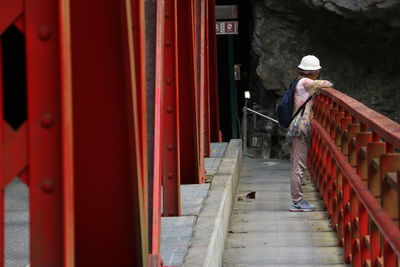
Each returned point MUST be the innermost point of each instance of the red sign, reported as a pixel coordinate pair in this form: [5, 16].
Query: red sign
[227, 27]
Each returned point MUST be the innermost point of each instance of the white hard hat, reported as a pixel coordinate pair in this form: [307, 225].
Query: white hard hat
[309, 63]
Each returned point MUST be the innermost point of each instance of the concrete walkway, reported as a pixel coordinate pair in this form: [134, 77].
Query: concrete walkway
[264, 233]
[177, 232]
[16, 221]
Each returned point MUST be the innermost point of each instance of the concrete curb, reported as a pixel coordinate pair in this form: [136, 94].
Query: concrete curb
[208, 243]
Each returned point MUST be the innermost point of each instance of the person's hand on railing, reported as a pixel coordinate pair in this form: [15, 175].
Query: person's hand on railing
[315, 87]
[318, 90]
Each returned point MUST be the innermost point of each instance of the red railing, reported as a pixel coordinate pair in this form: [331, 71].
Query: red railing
[355, 165]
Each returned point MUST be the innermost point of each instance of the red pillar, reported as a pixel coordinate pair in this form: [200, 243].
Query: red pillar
[215, 133]
[108, 116]
[190, 169]
[44, 131]
[171, 147]
[206, 76]
[139, 62]
[43, 142]
[158, 137]
[198, 11]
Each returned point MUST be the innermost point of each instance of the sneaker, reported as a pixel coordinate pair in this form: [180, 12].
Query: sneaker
[301, 206]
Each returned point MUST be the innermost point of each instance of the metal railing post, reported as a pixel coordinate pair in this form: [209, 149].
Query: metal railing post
[244, 128]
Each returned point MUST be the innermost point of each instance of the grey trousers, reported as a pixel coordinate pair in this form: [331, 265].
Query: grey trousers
[298, 157]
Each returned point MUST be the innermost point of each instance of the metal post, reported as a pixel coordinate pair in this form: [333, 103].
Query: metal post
[135, 14]
[189, 149]
[171, 148]
[213, 66]
[158, 137]
[389, 163]
[206, 77]
[150, 7]
[232, 89]
[44, 132]
[201, 68]
[244, 127]
[109, 135]
[254, 121]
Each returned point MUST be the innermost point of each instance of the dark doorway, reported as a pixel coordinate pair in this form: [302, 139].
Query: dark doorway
[233, 69]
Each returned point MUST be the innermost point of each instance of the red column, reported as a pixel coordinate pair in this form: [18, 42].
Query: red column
[135, 20]
[158, 137]
[213, 75]
[170, 130]
[188, 100]
[108, 115]
[199, 54]
[44, 131]
[206, 76]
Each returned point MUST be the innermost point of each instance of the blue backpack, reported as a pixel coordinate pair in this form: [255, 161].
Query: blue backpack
[285, 107]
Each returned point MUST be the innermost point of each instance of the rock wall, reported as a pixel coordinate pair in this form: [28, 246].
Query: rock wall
[357, 42]
[386, 10]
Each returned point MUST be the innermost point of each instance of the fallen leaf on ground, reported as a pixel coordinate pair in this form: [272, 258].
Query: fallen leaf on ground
[251, 195]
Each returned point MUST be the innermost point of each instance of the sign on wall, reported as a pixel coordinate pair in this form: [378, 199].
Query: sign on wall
[227, 27]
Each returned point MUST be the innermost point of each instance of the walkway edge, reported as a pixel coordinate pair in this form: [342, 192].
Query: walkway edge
[208, 242]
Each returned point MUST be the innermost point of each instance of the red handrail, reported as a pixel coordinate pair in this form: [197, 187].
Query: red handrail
[353, 162]
[385, 224]
[378, 123]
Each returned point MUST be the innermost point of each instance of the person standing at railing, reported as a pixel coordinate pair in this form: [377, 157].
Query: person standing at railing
[299, 131]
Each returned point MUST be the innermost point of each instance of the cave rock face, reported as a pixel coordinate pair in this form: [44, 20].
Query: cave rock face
[357, 42]
[387, 10]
